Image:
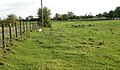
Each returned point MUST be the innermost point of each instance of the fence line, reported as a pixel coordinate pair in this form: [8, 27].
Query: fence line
[23, 28]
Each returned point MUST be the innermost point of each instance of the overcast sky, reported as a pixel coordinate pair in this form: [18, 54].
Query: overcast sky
[79, 7]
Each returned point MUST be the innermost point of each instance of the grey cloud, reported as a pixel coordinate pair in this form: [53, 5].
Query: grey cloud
[16, 7]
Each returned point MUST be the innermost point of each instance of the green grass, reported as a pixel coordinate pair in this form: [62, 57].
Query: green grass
[67, 46]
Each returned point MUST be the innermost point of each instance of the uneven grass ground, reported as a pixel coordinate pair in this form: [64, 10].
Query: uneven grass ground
[73, 45]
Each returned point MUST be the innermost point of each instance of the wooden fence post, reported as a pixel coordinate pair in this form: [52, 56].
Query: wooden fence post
[26, 27]
[23, 27]
[16, 30]
[36, 26]
[30, 27]
[3, 36]
[20, 28]
[33, 27]
[10, 32]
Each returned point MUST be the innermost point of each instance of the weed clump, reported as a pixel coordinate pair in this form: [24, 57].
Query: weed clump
[39, 41]
[10, 44]
[1, 63]
[82, 26]
[101, 43]
[83, 42]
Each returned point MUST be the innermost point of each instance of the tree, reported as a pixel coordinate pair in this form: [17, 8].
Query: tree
[105, 14]
[89, 15]
[65, 17]
[29, 18]
[117, 12]
[70, 15]
[57, 17]
[99, 15]
[12, 18]
[111, 14]
[46, 17]
[74, 17]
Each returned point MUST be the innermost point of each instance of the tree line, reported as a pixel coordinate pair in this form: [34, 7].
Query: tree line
[71, 16]
[113, 14]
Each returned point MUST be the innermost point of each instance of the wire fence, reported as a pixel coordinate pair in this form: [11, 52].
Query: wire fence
[18, 29]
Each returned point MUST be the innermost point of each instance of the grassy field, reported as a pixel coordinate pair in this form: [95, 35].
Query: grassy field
[76, 45]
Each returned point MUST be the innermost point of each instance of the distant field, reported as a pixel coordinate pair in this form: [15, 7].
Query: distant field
[67, 46]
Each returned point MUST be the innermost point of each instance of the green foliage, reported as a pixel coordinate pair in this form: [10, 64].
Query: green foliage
[105, 14]
[29, 18]
[46, 17]
[111, 14]
[57, 17]
[69, 15]
[65, 17]
[99, 15]
[117, 12]
[12, 18]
